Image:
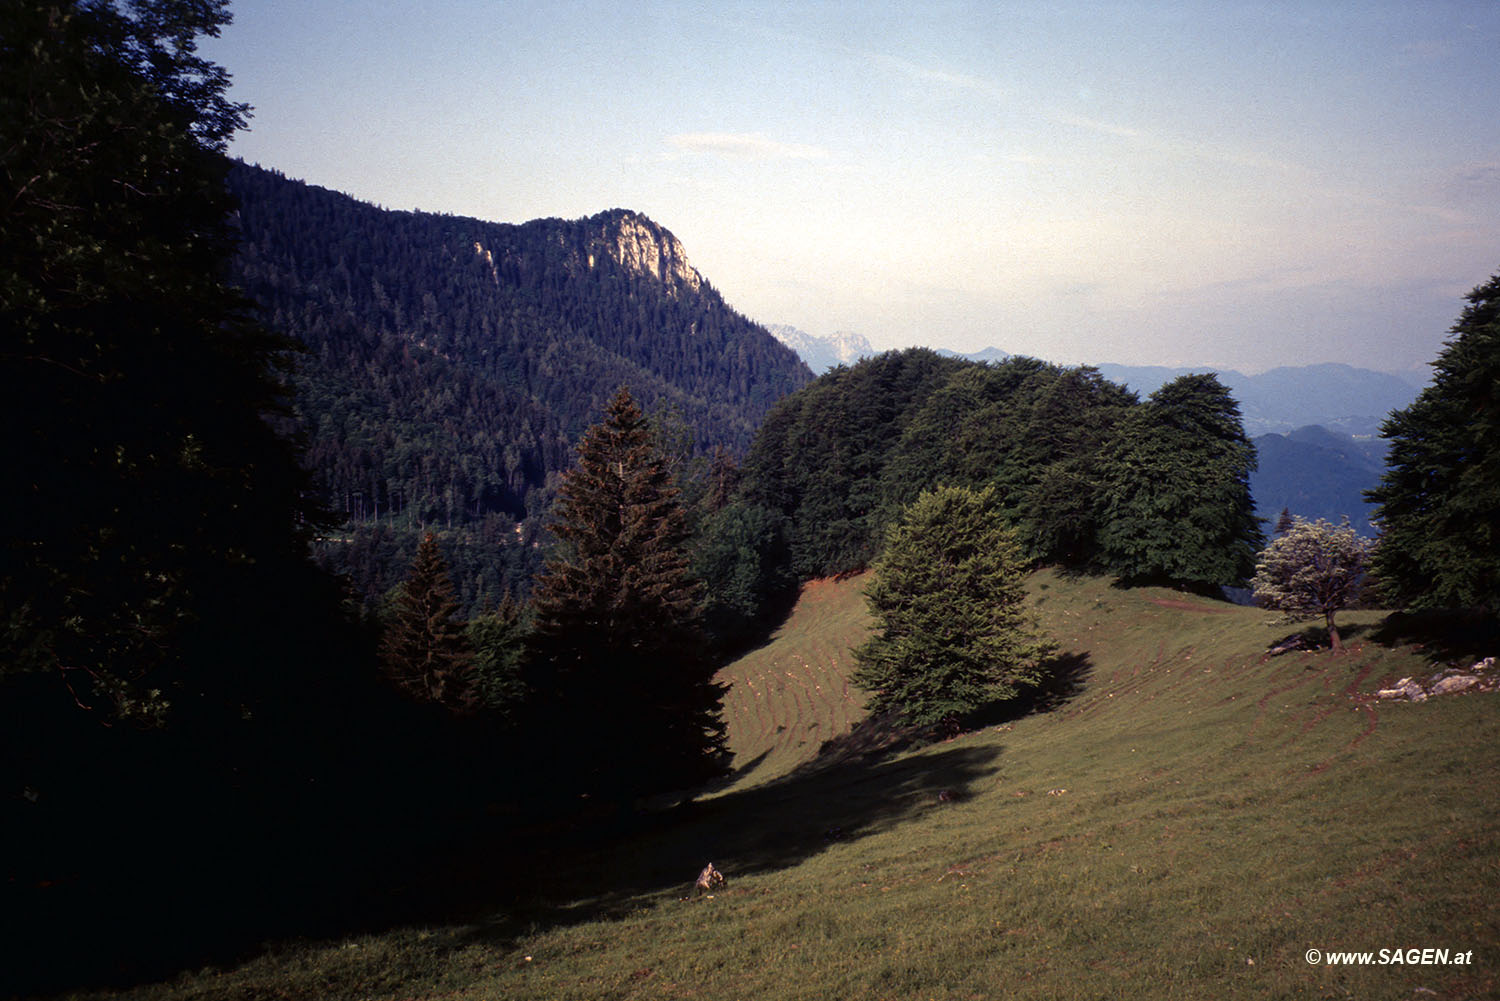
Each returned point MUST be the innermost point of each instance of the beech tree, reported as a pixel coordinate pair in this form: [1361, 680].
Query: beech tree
[953, 632]
[1312, 568]
[499, 637]
[618, 660]
[425, 649]
[1439, 544]
[741, 556]
[1176, 500]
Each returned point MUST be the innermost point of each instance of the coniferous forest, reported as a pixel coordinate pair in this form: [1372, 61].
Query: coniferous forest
[452, 364]
[366, 549]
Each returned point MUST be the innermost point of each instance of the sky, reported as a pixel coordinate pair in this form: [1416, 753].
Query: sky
[1217, 184]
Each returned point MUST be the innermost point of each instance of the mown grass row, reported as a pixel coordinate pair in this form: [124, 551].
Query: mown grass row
[788, 698]
[1187, 821]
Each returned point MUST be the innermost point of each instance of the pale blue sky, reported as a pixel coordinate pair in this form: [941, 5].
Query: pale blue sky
[1214, 184]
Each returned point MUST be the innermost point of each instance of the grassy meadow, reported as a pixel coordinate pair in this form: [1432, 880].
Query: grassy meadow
[1184, 817]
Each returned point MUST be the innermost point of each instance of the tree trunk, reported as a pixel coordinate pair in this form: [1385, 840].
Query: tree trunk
[1333, 634]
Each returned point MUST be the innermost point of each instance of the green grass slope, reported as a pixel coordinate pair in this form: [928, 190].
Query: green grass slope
[1189, 822]
[786, 699]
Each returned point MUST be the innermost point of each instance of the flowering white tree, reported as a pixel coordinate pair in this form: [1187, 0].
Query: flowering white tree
[1313, 568]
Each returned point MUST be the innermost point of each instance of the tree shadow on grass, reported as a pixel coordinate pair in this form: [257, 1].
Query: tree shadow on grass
[860, 784]
[1314, 638]
[845, 794]
[1064, 677]
[1447, 637]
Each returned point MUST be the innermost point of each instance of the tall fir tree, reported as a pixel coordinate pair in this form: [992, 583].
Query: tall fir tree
[617, 658]
[953, 631]
[425, 649]
[1439, 545]
[1176, 504]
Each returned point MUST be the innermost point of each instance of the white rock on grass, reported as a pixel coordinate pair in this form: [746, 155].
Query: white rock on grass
[1456, 683]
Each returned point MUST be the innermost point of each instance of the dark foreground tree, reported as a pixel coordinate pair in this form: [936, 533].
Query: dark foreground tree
[949, 602]
[153, 514]
[425, 649]
[618, 661]
[1176, 500]
[1439, 543]
[1313, 568]
[167, 652]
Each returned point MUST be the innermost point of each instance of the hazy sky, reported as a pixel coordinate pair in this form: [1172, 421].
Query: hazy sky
[1216, 184]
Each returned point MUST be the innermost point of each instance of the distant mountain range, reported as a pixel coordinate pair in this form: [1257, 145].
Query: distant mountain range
[1317, 473]
[1338, 397]
[820, 354]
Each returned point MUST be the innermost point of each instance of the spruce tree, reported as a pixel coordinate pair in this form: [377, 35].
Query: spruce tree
[949, 602]
[425, 648]
[1439, 545]
[618, 659]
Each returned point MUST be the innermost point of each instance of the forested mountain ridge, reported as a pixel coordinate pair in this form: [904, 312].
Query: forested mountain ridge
[1317, 473]
[452, 363]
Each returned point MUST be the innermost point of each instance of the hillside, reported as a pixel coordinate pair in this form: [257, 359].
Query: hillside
[1188, 822]
[790, 696]
[1317, 473]
[451, 364]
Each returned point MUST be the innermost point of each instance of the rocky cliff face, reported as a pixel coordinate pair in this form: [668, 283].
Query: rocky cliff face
[641, 247]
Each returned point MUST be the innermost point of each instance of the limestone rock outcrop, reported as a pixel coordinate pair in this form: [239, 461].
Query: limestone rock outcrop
[1480, 677]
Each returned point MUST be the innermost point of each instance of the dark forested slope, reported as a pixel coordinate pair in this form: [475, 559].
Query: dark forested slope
[452, 363]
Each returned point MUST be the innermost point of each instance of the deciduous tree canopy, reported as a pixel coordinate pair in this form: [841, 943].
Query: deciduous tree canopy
[953, 632]
[1176, 504]
[152, 504]
[1312, 568]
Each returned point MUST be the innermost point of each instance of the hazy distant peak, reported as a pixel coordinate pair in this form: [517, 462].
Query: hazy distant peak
[850, 344]
[1338, 396]
[842, 347]
[991, 354]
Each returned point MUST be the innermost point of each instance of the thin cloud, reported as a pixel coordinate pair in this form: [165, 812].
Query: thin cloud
[1094, 125]
[943, 78]
[1143, 140]
[1474, 184]
[744, 146]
